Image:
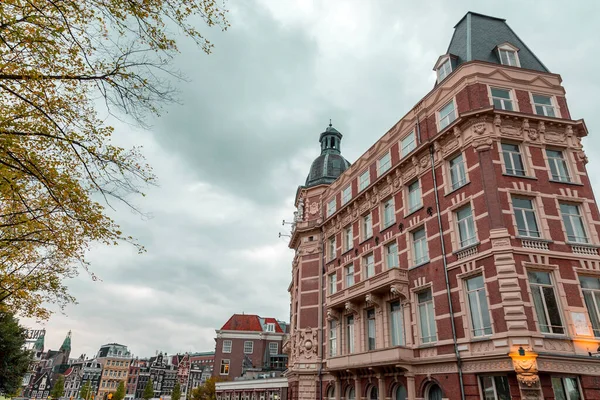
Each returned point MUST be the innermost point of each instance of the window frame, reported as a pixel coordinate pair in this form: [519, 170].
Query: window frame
[387, 254]
[249, 350]
[523, 212]
[552, 285]
[382, 168]
[271, 347]
[451, 116]
[350, 334]
[367, 267]
[391, 202]
[346, 194]
[461, 167]
[332, 248]
[349, 273]
[411, 145]
[331, 207]
[367, 233]
[594, 295]
[511, 154]
[502, 100]
[470, 225]
[332, 338]
[348, 240]
[225, 362]
[552, 104]
[582, 220]
[425, 258]
[332, 283]
[431, 322]
[364, 183]
[396, 332]
[494, 385]
[223, 347]
[411, 209]
[509, 49]
[562, 379]
[481, 303]
[368, 320]
[553, 161]
[442, 71]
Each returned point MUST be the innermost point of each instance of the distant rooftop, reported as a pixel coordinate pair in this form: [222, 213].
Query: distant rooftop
[251, 323]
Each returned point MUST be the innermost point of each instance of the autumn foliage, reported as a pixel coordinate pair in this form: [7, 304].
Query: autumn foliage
[60, 60]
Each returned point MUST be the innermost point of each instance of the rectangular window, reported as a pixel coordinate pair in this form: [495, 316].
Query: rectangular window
[371, 329]
[426, 317]
[346, 194]
[364, 180]
[384, 163]
[512, 159]
[350, 334]
[248, 347]
[466, 227]
[558, 166]
[543, 105]
[369, 265]
[444, 70]
[495, 387]
[348, 238]
[447, 115]
[566, 388]
[396, 324]
[501, 99]
[389, 212]
[591, 294]
[573, 223]
[481, 323]
[458, 174]
[414, 196]
[544, 300]
[224, 367]
[508, 57]
[226, 346]
[333, 283]
[332, 338]
[421, 252]
[331, 207]
[331, 248]
[391, 255]
[270, 327]
[367, 226]
[349, 271]
[525, 216]
[408, 144]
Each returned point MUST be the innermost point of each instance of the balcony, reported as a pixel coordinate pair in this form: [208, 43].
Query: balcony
[391, 355]
[393, 279]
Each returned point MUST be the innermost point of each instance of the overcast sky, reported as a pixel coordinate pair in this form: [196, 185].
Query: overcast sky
[230, 157]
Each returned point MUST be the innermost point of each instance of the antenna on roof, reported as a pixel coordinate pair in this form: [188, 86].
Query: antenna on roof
[330, 122]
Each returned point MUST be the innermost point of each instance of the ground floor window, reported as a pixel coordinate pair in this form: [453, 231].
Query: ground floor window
[495, 387]
[401, 393]
[331, 392]
[350, 393]
[434, 392]
[373, 395]
[566, 388]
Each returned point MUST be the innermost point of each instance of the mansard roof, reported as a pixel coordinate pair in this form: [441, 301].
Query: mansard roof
[249, 323]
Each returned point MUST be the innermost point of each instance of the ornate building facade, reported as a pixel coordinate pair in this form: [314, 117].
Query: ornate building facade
[458, 257]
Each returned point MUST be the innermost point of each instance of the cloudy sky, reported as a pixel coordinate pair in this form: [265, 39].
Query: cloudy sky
[230, 157]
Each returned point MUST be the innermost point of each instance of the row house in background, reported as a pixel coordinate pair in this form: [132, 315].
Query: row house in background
[115, 360]
[458, 257]
[80, 373]
[249, 343]
[160, 370]
[133, 375]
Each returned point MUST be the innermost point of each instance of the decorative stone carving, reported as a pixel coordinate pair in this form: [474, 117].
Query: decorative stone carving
[497, 120]
[350, 307]
[487, 366]
[582, 157]
[397, 290]
[397, 178]
[510, 129]
[530, 132]
[479, 128]
[373, 299]
[501, 242]
[332, 315]
[307, 340]
[300, 212]
[541, 127]
[554, 137]
[558, 345]
[526, 369]
[482, 347]
[313, 208]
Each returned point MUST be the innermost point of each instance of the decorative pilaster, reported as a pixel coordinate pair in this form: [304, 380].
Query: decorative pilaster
[410, 385]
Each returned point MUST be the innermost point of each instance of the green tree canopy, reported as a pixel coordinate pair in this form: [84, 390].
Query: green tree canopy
[86, 390]
[58, 390]
[148, 390]
[120, 393]
[14, 359]
[176, 395]
[57, 59]
[207, 391]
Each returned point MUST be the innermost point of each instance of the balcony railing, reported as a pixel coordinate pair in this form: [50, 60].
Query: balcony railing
[391, 355]
[377, 284]
[585, 250]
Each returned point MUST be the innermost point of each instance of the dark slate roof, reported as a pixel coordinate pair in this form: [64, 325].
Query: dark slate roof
[326, 169]
[476, 37]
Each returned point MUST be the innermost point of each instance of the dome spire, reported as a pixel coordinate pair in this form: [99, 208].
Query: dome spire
[330, 164]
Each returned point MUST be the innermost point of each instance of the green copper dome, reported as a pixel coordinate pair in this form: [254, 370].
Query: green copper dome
[330, 164]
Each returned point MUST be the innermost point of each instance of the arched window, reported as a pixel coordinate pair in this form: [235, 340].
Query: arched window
[331, 392]
[373, 394]
[401, 393]
[350, 394]
[434, 392]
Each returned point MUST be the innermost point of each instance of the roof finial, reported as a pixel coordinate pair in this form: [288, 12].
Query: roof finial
[329, 121]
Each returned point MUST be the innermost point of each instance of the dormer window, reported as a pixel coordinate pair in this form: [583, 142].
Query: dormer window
[270, 327]
[444, 70]
[508, 55]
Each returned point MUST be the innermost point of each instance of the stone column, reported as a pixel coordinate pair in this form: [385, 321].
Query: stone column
[410, 385]
[408, 336]
[381, 387]
[357, 388]
[338, 388]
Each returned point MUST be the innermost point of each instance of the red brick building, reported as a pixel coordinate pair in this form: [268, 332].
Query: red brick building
[249, 343]
[458, 257]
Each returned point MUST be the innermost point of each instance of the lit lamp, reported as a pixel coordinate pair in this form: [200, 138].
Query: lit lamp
[525, 365]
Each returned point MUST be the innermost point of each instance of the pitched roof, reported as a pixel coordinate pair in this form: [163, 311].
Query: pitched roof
[249, 323]
[476, 37]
